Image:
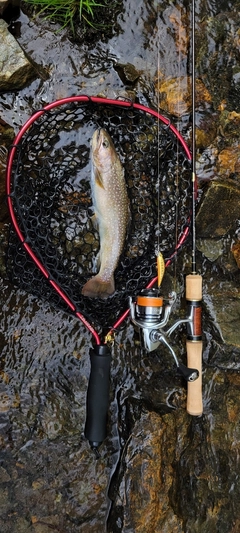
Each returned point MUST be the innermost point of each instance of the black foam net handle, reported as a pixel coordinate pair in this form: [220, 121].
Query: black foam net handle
[98, 396]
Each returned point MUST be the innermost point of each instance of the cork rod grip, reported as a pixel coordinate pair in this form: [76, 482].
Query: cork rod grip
[194, 343]
[194, 388]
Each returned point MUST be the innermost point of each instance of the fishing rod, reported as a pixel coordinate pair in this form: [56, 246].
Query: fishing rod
[151, 312]
[194, 280]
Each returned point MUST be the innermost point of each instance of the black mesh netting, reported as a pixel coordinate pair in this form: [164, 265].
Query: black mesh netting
[52, 201]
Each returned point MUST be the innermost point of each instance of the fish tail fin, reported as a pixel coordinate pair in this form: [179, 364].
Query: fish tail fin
[97, 288]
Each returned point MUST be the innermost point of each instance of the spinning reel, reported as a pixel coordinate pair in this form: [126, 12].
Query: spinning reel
[150, 312]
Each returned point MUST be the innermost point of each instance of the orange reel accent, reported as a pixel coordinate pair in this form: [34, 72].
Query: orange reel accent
[150, 301]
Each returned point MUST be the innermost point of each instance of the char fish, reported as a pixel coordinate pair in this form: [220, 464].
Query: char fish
[111, 206]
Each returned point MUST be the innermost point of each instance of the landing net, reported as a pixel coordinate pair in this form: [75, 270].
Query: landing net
[49, 187]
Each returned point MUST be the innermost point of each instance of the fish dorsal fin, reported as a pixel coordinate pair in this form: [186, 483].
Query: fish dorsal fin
[98, 178]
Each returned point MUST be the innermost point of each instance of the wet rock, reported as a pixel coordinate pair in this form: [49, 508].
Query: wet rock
[219, 210]
[6, 133]
[206, 164]
[210, 248]
[142, 502]
[222, 301]
[4, 216]
[176, 95]
[60, 500]
[4, 476]
[127, 73]
[229, 123]
[176, 474]
[121, 94]
[15, 68]
[4, 220]
[5, 402]
[204, 471]
[229, 161]
[43, 524]
[217, 39]
[3, 5]
[206, 132]
[217, 141]
[236, 252]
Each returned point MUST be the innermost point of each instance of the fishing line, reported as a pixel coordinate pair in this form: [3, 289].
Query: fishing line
[160, 258]
[193, 142]
[177, 172]
[158, 162]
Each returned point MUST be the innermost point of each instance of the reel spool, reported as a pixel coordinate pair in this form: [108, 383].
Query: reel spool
[150, 312]
[149, 307]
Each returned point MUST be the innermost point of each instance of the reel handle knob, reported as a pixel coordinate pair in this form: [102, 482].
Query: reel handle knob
[98, 396]
[189, 374]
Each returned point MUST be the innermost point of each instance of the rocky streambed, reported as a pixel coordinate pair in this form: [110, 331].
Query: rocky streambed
[160, 469]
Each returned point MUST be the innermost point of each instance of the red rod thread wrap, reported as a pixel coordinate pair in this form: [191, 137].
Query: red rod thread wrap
[194, 327]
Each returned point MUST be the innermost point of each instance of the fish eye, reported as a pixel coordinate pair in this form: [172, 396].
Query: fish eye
[105, 143]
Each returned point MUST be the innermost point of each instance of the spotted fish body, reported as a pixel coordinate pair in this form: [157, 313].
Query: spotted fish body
[111, 205]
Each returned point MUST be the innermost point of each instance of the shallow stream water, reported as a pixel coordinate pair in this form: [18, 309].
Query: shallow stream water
[50, 479]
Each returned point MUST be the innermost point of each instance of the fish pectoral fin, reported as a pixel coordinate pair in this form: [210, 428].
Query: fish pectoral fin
[98, 178]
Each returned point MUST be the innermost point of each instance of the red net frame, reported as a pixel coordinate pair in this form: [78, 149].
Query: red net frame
[22, 238]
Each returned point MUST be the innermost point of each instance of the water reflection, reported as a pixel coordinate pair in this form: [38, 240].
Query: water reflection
[44, 363]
